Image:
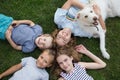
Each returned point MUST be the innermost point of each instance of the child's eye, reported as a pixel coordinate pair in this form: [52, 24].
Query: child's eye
[58, 37]
[65, 60]
[44, 39]
[41, 57]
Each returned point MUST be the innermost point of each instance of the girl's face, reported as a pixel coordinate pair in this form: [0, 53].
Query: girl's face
[44, 41]
[63, 37]
[44, 60]
[65, 63]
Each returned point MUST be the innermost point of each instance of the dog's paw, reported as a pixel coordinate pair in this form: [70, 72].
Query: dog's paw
[106, 55]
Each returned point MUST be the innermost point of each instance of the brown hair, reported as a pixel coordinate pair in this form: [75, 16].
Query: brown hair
[69, 52]
[72, 42]
[51, 52]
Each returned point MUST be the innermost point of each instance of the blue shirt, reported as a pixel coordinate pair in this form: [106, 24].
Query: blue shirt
[30, 71]
[25, 35]
[5, 22]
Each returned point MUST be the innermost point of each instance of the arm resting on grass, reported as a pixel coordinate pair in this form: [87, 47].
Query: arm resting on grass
[11, 70]
[97, 64]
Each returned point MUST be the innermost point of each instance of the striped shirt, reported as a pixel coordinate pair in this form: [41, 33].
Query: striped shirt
[79, 73]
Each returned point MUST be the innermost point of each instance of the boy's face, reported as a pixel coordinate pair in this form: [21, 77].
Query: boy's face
[44, 60]
[44, 41]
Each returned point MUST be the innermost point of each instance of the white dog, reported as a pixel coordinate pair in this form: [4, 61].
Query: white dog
[88, 22]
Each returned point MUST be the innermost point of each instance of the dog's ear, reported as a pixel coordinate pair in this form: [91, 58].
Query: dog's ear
[78, 16]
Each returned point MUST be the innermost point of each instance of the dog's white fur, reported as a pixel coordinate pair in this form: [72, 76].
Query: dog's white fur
[109, 8]
[113, 8]
[88, 20]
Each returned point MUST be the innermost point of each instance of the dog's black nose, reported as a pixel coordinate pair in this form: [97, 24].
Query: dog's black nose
[95, 18]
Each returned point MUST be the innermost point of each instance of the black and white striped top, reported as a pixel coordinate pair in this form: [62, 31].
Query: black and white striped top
[79, 73]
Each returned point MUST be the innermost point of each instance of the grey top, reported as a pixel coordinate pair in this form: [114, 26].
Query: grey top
[30, 71]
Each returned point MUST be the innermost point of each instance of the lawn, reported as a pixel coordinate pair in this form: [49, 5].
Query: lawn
[42, 12]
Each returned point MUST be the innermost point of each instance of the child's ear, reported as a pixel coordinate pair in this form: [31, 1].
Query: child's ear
[71, 58]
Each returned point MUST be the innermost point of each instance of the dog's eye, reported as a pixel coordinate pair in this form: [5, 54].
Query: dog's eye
[86, 16]
[91, 11]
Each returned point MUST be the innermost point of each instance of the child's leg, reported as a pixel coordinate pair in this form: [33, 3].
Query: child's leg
[70, 3]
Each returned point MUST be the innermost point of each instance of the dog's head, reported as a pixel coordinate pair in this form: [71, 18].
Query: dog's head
[87, 16]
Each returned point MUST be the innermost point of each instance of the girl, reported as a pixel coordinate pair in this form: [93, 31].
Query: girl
[70, 70]
[64, 19]
[31, 68]
[70, 45]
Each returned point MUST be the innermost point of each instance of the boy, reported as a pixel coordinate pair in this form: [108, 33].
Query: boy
[32, 69]
[23, 34]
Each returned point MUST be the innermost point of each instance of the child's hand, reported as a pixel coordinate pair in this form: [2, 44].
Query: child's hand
[0, 77]
[18, 22]
[80, 48]
[8, 33]
[15, 23]
[97, 9]
[32, 23]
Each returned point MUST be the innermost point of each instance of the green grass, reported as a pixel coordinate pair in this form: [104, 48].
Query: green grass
[42, 12]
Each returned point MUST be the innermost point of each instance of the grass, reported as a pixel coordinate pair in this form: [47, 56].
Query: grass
[42, 12]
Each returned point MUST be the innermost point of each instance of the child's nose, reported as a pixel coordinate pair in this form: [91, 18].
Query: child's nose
[41, 40]
[63, 34]
[64, 64]
[41, 61]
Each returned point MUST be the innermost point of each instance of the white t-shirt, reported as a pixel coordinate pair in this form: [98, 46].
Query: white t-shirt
[30, 71]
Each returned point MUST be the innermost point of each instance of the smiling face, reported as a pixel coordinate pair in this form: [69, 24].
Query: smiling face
[65, 62]
[45, 59]
[44, 41]
[63, 37]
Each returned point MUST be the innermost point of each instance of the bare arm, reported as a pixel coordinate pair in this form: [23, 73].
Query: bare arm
[17, 22]
[98, 12]
[11, 70]
[8, 37]
[70, 3]
[97, 64]
[61, 78]
[102, 23]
